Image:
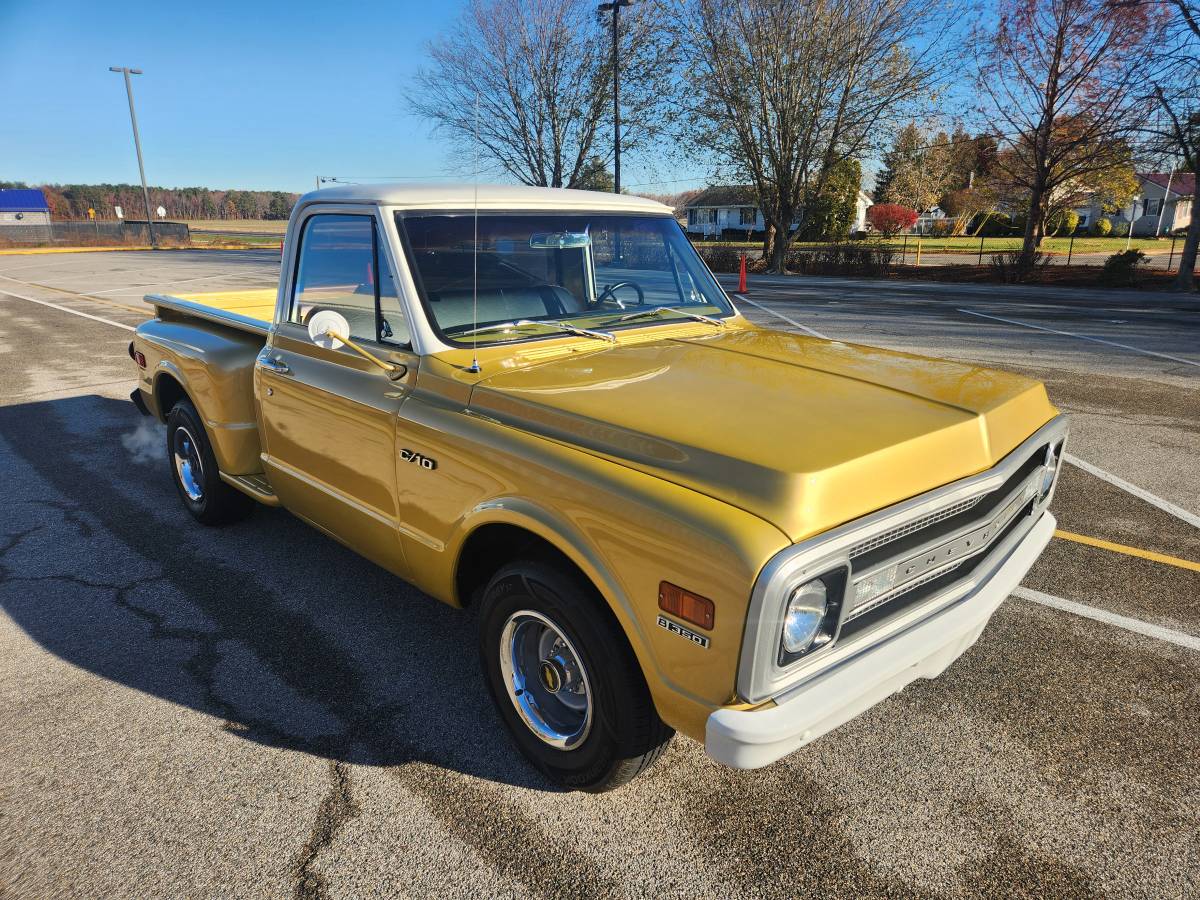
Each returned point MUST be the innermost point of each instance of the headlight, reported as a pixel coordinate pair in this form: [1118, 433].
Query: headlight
[805, 611]
[1049, 471]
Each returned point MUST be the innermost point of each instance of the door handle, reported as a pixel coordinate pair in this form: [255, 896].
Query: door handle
[276, 365]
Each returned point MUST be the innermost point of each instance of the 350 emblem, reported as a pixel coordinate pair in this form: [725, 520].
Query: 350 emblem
[416, 458]
[675, 628]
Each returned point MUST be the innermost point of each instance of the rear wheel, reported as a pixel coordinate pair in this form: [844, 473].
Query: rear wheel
[565, 680]
[194, 470]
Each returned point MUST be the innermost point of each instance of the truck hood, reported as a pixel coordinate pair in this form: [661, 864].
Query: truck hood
[803, 432]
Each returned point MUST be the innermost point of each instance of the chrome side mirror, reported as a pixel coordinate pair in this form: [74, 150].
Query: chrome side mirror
[329, 329]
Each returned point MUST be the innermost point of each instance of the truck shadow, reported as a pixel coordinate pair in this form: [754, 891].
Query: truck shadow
[283, 636]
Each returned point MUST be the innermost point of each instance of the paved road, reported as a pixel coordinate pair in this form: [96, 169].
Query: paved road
[255, 711]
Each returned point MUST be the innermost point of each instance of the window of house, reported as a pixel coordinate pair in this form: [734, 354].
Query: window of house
[343, 267]
[749, 215]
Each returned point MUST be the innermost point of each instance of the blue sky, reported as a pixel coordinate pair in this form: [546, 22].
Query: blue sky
[257, 94]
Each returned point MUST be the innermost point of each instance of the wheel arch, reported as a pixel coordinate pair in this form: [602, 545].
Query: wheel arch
[496, 528]
[169, 389]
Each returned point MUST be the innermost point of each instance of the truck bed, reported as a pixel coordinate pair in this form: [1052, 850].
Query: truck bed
[246, 310]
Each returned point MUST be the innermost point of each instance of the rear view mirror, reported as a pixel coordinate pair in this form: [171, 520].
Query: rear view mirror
[559, 240]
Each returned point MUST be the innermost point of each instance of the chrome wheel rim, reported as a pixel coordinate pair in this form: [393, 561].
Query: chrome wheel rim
[545, 679]
[188, 469]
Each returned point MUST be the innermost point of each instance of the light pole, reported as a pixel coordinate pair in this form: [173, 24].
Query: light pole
[615, 8]
[137, 144]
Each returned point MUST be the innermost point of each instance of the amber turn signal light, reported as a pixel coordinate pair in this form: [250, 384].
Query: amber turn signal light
[686, 605]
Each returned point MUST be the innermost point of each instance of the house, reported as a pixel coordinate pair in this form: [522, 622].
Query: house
[1154, 209]
[722, 208]
[732, 211]
[928, 219]
[23, 206]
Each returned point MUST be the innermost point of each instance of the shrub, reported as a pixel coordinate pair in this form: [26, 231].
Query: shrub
[1120, 228]
[1121, 269]
[891, 218]
[941, 228]
[1006, 266]
[1064, 221]
[1102, 227]
[995, 225]
[842, 259]
[721, 257]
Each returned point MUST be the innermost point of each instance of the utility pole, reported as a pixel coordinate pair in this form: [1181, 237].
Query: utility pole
[137, 144]
[615, 8]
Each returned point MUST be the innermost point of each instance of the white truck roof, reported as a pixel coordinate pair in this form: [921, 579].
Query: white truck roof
[491, 196]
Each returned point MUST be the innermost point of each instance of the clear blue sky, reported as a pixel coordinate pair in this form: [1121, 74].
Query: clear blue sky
[257, 94]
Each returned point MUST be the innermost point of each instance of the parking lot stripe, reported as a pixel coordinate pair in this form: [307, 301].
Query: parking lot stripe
[67, 309]
[780, 315]
[1137, 626]
[1084, 337]
[1165, 505]
[1128, 551]
[50, 287]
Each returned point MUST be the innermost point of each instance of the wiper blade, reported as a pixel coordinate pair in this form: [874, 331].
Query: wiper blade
[556, 326]
[659, 310]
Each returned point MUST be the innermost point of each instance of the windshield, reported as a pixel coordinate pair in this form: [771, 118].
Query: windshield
[593, 271]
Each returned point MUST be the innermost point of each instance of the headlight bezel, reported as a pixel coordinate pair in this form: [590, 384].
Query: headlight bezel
[834, 581]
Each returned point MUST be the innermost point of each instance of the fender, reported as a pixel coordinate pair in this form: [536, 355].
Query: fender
[678, 706]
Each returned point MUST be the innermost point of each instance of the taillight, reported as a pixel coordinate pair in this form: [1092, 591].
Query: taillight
[686, 605]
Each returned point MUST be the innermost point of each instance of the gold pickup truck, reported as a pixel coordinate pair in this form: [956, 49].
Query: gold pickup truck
[539, 403]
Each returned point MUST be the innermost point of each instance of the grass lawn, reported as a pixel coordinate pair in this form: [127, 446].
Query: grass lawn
[1056, 245]
[275, 225]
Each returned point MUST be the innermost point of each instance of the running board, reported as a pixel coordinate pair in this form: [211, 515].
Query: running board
[256, 486]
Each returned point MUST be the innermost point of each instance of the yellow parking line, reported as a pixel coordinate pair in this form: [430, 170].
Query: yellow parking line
[1129, 551]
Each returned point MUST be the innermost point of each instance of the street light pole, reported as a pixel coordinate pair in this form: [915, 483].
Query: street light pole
[615, 8]
[137, 144]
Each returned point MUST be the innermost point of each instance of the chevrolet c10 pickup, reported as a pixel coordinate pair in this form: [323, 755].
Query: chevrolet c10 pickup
[540, 403]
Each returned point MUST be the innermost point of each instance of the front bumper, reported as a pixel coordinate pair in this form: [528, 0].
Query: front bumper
[747, 739]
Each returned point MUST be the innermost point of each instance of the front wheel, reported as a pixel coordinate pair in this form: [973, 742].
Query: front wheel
[565, 680]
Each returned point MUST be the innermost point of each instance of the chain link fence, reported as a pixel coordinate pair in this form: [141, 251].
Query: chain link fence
[94, 234]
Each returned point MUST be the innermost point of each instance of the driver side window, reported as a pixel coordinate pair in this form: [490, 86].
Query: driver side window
[341, 267]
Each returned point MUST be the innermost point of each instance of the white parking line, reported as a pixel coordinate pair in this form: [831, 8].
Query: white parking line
[67, 309]
[1137, 626]
[162, 284]
[780, 315]
[1165, 505]
[1084, 337]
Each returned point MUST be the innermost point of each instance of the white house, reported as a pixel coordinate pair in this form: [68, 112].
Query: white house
[722, 208]
[1155, 209]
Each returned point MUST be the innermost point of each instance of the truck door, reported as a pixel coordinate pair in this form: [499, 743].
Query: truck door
[329, 416]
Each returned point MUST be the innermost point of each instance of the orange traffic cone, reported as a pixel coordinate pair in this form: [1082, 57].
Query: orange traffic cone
[742, 275]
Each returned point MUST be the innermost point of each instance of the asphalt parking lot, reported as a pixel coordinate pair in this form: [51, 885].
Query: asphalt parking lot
[256, 711]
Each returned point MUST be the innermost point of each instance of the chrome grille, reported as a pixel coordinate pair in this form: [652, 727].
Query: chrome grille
[900, 560]
[916, 525]
[901, 591]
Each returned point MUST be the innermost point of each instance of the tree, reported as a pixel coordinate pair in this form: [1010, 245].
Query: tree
[889, 219]
[781, 91]
[1064, 78]
[1174, 130]
[829, 215]
[595, 176]
[917, 170]
[527, 83]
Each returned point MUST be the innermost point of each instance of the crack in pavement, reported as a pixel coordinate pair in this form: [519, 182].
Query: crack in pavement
[289, 645]
[336, 809]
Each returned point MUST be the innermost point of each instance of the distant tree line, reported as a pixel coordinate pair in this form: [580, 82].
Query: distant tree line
[72, 201]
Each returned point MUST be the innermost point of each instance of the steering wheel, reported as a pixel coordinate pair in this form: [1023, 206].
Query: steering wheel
[611, 290]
